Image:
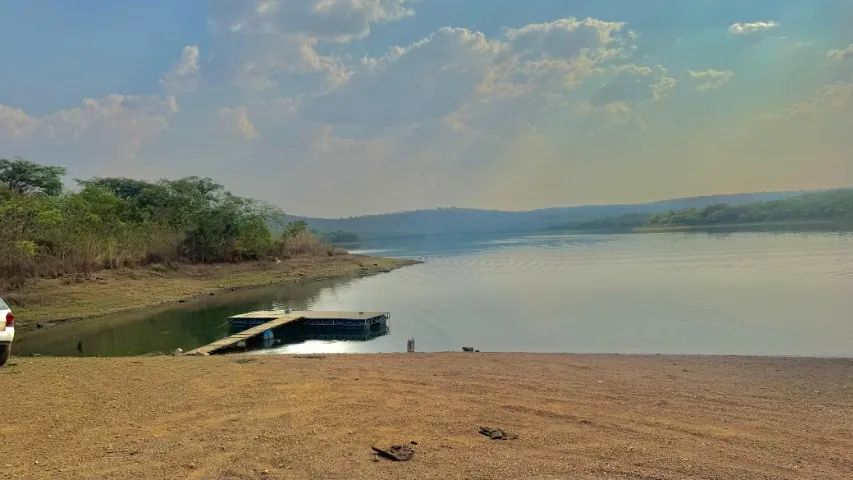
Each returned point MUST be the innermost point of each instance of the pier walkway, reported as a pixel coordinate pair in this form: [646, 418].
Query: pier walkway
[256, 323]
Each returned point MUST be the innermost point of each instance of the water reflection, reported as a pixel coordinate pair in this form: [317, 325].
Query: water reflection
[686, 292]
[164, 329]
[285, 338]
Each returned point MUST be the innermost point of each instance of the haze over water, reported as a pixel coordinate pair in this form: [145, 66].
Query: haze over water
[737, 293]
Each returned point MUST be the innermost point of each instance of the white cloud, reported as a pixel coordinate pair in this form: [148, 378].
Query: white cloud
[336, 73]
[15, 124]
[710, 79]
[437, 75]
[752, 27]
[236, 121]
[345, 20]
[338, 21]
[278, 58]
[183, 76]
[277, 40]
[633, 83]
[663, 85]
[563, 38]
[112, 127]
[840, 54]
[558, 54]
[425, 80]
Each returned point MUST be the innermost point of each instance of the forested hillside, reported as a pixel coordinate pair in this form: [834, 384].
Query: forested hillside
[456, 221]
[835, 206]
[831, 209]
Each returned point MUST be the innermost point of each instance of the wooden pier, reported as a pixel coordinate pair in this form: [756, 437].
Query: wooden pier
[254, 324]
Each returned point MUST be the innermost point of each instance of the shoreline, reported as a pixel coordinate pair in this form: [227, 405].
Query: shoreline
[46, 302]
[315, 416]
[817, 226]
[792, 226]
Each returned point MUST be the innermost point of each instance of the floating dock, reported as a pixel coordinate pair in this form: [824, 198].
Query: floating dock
[252, 325]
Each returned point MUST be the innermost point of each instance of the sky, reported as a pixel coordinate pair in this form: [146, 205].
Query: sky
[347, 107]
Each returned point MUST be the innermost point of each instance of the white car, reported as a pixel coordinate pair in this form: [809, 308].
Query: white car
[7, 332]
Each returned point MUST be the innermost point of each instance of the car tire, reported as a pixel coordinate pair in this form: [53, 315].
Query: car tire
[5, 351]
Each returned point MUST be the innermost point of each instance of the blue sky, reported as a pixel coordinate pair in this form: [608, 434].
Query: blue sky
[341, 107]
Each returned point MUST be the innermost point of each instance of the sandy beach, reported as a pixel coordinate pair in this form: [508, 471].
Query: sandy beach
[576, 416]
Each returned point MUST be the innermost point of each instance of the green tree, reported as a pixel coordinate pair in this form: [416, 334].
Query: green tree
[24, 177]
[112, 222]
[254, 239]
[293, 229]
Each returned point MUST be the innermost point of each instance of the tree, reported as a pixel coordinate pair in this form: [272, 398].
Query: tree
[339, 236]
[125, 188]
[110, 222]
[145, 200]
[25, 177]
[293, 229]
[254, 239]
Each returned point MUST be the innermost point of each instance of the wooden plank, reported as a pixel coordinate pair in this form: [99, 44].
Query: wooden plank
[271, 314]
[311, 315]
[246, 334]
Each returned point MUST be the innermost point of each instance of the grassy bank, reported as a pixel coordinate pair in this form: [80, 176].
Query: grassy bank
[286, 416]
[70, 297]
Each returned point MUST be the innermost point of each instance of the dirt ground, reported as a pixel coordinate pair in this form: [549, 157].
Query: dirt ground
[576, 417]
[110, 291]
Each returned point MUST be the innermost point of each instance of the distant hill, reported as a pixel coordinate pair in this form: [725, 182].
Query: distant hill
[458, 221]
[832, 206]
[822, 210]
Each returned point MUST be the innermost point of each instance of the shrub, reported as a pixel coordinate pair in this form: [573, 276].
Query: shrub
[302, 243]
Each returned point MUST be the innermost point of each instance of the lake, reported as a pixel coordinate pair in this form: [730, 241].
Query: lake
[766, 293]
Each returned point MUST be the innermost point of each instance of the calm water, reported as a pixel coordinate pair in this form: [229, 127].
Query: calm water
[725, 293]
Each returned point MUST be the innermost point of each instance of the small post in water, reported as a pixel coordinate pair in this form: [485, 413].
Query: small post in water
[410, 345]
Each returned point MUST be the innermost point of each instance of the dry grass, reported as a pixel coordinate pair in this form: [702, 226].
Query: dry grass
[280, 417]
[306, 243]
[110, 291]
[21, 263]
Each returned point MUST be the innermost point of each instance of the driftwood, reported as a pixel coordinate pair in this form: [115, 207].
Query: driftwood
[397, 453]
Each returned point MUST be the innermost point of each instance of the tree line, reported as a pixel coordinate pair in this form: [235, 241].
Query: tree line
[831, 206]
[834, 208]
[46, 230]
